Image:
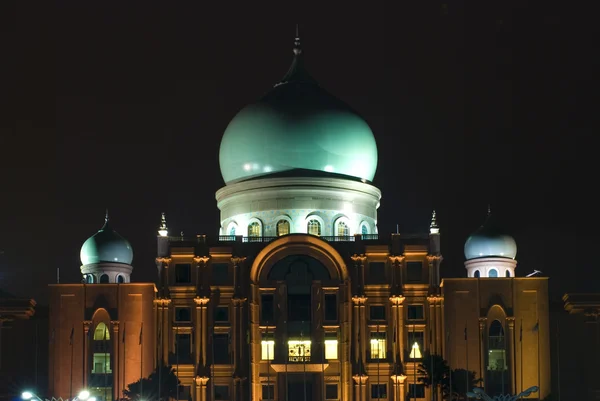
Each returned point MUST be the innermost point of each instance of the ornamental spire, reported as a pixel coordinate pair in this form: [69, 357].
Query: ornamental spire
[163, 231]
[297, 45]
[106, 216]
[433, 227]
[296, 72]
[489, 212]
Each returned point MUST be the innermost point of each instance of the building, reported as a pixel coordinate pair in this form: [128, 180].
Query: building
[299, 297]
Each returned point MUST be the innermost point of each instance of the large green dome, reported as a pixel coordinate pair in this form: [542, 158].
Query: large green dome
[297, 125]
[106, 246]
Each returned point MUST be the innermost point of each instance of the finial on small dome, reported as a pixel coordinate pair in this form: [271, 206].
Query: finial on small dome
[106, 216]
[433, 227]
[297, 45]
[163, 231]
[489, 209]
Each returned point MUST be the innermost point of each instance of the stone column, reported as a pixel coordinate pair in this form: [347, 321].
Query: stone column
[201, 334]
[396, 262]
[434, 262]
[510, 321]
[431, 322]
[201, 262]
[201, 388]
[238, 336]
[87, 324]
[116, 358]
[482, 327]
[165, 330]
[163, 273]
[238, 285]
[360, 387]
[359, 264]
[360, 330]
[441, 333]
[398, 329]
[398, 392]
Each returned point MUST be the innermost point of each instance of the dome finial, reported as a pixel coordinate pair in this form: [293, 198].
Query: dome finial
[106, 216]
[433, 227]
[163, 231]
[297, 45]
[489, 212]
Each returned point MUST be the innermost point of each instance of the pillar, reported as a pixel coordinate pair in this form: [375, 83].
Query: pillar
[396, 262]
[360, 387]
[87, 324]
[398, 327]
[239, 338]
[511, 353]
[200, 384]
[482, 328]
[115, 360]
[201, 334]
[399, 392]
[360, 331]
[201, 262]
[165, 330]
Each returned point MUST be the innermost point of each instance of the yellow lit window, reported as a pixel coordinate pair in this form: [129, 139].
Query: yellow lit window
[331, 349]
[101, 363]
[378, 345]
[314, 227]
[342, 229]
[267, 350]
[283, 227]
[299, 351]
[101, 333]
[254, 229]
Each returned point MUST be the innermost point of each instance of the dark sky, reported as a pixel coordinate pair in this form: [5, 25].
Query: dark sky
[123, 104]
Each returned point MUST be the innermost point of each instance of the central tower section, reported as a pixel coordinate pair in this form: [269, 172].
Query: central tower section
[298, 161]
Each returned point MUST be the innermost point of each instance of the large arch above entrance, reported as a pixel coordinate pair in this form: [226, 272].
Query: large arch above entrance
[298, 244]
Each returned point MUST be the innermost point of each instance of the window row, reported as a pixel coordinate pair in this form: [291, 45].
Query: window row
[491, 273]
[184, 314]
[314, 226]
[377, 273]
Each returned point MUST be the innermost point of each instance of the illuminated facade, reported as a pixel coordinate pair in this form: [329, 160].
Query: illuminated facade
[299, 298]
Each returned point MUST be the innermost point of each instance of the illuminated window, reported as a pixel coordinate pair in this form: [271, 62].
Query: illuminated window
[283, 227]
[101, 363]
[378, 345]
[101, 333]
[342, 229]
[89, 278]
[378, 391]
[314, 227]
[496, 346]
[254, 229]
[493, 273]
[331, 348]
[364, 230]
[299, 351]
[267, 347]
[415, 344]
[232, 230]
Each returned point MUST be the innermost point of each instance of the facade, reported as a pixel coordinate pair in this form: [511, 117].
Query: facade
[299, 297]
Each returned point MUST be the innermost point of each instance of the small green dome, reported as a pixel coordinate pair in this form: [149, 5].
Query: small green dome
[297, 125]
[490, 241]
[106, 246]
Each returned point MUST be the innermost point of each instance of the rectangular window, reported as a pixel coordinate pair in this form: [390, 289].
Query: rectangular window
[299, 307]
[183, 314]
[222, 346]
[101, 363]
[267, 347]
[185, 392]
[268, 392]
[378, 345]
[299, 351]
[331, 391]
[183, 346]
[220, 274]
[414, 271]
[415, 344]
[222, 393]
[416, 391]
[415, 312]
[377, 312]
[331, 314]
[378, 391]
[266, 308]
[183, 273]
[331, 346]
[222, 314]
[376, 273]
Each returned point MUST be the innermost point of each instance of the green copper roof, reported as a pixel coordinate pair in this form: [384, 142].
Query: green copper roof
[490, 241]
[297, 125]
[106, 246]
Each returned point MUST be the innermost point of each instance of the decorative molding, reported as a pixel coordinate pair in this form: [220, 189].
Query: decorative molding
[398, 379]
[163, 261]
[238, 301]
[238, 260]
[360, 379]
[434, 258]
[359, 300]
[397, 300]
[115, 325]
[201, 259]
[397, 258]
[359, 258]
[201, 381]
[162, 301]
[201, 301]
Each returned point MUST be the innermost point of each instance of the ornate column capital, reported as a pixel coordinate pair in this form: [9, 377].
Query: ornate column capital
[163, 261]
[201, 301]
[398, 379]
[434, 299]
[86, 325]
[360, 379]
[237, 260]
[434, 258]
[482, 323]
[396, 258]
[359, 258]
[115, 325]
[511, 322]
[201, 380]
[359, 300]
[162, 301]
[238, 301]
[397, 300]
[201, 259]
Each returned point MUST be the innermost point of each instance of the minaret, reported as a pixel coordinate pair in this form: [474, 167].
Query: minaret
[163, 237]
[434, 235]
[435, 255]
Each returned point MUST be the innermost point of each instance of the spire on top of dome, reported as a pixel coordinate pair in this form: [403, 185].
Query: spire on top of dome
[489, 209]
[433, 227]
[297, 72]
[163, 231]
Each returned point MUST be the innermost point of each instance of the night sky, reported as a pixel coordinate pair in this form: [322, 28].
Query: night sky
[122, 105]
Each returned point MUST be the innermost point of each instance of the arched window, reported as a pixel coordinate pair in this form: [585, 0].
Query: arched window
[364, 230]
[120, 279]
[314, 227]
[496, 357]
[89, 278]
[493, 273]
[232, 230]
[342, 229]
[101, 333]
[477, 274]
[508, 273]
[254, 229]
[104, 279]
[283, 227]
